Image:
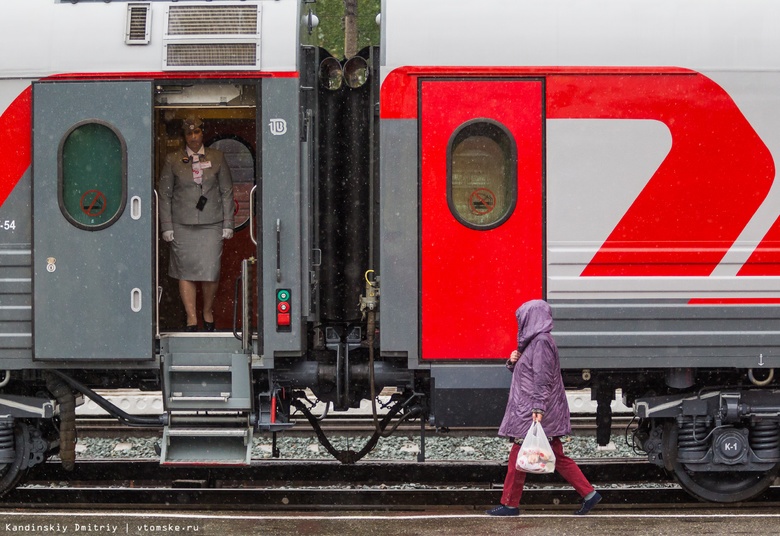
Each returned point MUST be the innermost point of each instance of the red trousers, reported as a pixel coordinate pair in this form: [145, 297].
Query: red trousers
[514, 481]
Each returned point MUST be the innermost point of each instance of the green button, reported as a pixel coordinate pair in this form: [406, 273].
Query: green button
[282, 295]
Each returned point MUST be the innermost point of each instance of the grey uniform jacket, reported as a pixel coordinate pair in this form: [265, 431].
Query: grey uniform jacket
[179, 193]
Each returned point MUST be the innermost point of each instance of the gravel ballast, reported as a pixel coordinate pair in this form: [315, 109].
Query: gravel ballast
[397, 447]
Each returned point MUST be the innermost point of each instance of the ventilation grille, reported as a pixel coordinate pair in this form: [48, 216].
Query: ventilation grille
[139, 18]
[212, 36]
[212, 20]
[212, 55]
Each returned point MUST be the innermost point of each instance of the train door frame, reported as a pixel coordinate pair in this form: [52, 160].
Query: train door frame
[244, 127]
[460, 299]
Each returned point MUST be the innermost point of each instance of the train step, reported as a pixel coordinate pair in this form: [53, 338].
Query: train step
[193, 445]
[206, 381]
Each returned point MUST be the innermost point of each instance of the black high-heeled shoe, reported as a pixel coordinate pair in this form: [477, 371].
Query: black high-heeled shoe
[209, 326]
[191, 328]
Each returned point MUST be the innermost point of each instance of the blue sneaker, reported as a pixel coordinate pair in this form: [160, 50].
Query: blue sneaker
[587, 505]
[502, 510]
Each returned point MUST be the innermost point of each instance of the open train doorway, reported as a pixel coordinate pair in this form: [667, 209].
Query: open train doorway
[229, 115]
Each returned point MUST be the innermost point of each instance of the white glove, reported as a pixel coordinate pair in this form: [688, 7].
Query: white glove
[168, 236]
[227, 234]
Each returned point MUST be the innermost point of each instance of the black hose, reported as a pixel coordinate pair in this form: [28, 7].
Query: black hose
[67, 403]
[114, 411]
[349, 456]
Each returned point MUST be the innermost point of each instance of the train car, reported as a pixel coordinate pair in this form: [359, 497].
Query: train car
[615, 158]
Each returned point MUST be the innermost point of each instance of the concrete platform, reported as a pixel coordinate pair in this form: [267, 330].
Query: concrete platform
[448, 522]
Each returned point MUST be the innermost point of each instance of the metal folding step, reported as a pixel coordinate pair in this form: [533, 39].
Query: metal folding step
[206, 444]
[206, 381]
[207, 393]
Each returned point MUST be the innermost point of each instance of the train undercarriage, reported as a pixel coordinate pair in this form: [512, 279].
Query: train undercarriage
[721, 444]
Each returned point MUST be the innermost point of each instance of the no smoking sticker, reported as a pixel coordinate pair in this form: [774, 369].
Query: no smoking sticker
[93, 203]
[482, 201]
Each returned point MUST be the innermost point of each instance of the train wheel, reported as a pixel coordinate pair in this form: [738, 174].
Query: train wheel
[12, 472]
[716, 486]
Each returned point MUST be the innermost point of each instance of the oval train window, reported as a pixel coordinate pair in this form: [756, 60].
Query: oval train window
[241, 160]
[482, 174]
[93, 171]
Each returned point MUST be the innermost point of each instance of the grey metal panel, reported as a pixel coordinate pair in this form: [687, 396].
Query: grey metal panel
[15, 308]
[16, 278]
[17, 209]
[471, 376]
[398, 238]
[15, 326]
[83, 307]
[469, 395]
[281, 202]
[666, 335]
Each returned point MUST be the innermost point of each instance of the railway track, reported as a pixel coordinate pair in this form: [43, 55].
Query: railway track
[297, 484]
[325, 485]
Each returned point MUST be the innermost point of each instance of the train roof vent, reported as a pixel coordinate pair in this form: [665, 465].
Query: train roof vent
[139, 22]
[212, 36]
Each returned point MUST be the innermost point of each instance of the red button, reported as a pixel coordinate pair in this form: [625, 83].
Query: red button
[283, 319]
[283, 307]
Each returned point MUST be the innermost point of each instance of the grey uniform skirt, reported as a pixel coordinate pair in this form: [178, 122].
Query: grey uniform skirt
[196, 252]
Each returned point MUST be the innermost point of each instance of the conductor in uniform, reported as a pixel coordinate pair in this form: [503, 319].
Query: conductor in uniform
[196, 216]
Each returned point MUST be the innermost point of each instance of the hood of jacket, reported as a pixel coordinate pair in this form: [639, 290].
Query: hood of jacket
[533, 317]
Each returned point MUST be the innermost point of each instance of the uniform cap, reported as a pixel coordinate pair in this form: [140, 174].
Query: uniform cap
[191, 123]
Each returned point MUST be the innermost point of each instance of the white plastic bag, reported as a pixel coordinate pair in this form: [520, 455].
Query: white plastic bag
[536, 455]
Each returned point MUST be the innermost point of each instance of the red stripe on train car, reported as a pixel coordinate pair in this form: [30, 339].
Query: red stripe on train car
[399, 89]
[16, 140]
[178, 75]
[692, 209]
[765, 259]
[716, 175]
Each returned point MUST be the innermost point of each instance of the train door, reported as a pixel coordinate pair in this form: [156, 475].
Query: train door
[229, 115]
[481, 206]
[93, 221]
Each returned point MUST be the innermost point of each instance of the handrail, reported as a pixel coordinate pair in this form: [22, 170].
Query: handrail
[157, 263]
[252, 214]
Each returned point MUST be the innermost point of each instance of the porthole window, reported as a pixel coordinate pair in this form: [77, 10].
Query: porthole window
[241, 160]
[93, 170]
[482, 174]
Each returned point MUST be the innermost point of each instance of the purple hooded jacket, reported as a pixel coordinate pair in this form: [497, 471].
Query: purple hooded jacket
[536, 377]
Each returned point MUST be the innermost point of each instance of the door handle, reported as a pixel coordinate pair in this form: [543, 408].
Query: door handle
[136, 300]
[135, 207]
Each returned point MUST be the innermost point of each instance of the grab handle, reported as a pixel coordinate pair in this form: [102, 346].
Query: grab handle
[136, 302]
[278, 251]
[252, 214]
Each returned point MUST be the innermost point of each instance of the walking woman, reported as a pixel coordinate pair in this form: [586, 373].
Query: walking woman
[537, 393]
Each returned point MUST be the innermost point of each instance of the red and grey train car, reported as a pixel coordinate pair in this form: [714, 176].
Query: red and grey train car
[615, 158]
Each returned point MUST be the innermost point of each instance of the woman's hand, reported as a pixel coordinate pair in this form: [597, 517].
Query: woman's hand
[537, 417]
[514, 357]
